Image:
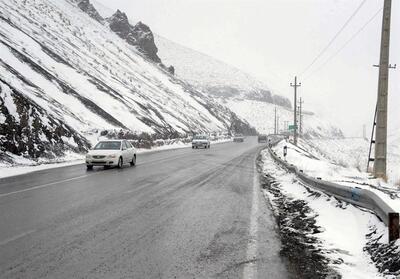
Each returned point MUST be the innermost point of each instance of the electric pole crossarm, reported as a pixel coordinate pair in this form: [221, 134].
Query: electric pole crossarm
[390, 66]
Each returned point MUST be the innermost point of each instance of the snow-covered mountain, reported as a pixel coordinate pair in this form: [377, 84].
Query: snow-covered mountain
[66, 73]
[214, 77]
[241, 93]
[203, 70]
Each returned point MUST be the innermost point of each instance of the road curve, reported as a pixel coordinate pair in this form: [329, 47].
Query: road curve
[178, 214]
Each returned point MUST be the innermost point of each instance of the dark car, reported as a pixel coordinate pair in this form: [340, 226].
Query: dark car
[262, 138]
[238, 138]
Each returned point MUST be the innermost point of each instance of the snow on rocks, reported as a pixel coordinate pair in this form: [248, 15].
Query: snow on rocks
[30, 131]
[68, 62]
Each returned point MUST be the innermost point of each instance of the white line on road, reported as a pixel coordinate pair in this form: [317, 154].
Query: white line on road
[8, 240]
[42, 186]
[250, 268]
[82, 176]
[75, 178]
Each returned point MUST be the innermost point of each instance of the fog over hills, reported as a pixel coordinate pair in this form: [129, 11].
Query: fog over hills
[69, 73]
[245, 95]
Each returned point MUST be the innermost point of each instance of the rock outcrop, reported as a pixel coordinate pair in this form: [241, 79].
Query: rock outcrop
[138, 35]
[88, 8]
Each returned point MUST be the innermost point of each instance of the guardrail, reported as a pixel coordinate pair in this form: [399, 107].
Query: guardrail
[354, 195]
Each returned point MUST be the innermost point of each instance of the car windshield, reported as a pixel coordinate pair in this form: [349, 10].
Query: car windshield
[108, 145]
[200, 137]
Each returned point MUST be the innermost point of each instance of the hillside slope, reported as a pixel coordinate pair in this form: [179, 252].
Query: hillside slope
[203, 70]
[65, 74]
[214, 77]
[250, 99]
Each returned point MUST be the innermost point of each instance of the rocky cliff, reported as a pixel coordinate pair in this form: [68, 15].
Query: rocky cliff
[138, 35]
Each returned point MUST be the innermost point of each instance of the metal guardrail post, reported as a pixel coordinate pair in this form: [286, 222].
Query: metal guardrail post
[394, 233]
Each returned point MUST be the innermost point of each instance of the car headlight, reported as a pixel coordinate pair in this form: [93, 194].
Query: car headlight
[112, 156]
[88, 156]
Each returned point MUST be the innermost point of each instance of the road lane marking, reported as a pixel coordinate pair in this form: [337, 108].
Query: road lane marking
[250, 269]
[79, 177]
[43, 186]
[8, 240]
[189, 152]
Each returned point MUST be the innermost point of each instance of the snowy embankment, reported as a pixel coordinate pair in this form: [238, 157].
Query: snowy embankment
[327, 237]
[314, 162]
[353, 153]
[23, 166]
[350, 231]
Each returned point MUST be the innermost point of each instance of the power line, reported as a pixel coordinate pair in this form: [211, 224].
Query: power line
[345, 44]
[334, 37]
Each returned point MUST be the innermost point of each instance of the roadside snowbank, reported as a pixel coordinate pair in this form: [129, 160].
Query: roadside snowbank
[315, 162]
[339, 229]
[353, 153]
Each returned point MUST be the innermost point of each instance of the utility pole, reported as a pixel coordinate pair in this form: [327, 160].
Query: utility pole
[382, 103]
[301, 117]
[295, 85]
[298, 120]
[285, 126]
[275, 122]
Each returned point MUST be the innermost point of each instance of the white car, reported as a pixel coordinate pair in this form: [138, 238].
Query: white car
[111, 153]
[201, 141]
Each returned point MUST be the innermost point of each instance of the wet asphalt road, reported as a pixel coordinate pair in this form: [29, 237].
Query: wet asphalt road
[177, 214]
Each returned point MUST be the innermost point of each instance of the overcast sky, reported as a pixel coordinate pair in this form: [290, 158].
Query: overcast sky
[276, 39]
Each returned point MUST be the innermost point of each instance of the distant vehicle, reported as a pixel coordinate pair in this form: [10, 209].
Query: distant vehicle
[201, 141]
[238, 138]
[111, 153]
[262, 138]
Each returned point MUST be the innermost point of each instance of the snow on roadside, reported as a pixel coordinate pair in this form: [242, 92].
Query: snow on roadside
[23, 165]
[314, 163]
[353, 153]
[342, 227]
